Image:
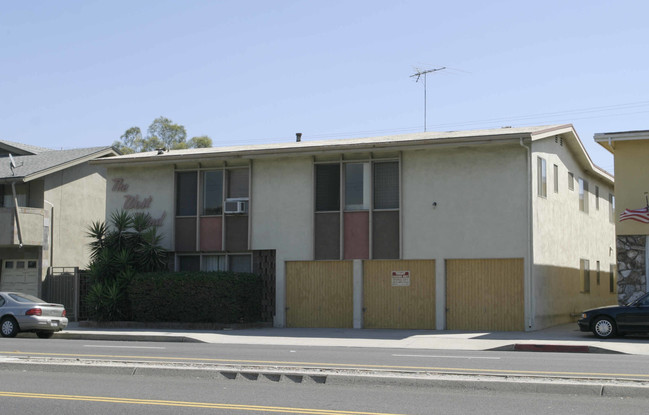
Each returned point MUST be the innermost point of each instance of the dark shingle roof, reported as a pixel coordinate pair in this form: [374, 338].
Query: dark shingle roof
[19, 148]
[31, 165]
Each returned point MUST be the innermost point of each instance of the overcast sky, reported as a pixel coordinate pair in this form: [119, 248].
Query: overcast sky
[79, 73]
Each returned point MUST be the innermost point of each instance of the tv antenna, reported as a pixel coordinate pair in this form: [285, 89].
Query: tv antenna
[423, 73]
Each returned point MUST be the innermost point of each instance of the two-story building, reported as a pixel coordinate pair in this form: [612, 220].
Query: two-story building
[631, 212]
[501, 229]
[47, 200]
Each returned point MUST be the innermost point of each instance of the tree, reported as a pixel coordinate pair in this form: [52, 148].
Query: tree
[128, 246]
[162, 133]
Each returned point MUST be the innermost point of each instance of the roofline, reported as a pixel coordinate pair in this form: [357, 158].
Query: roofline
[100, 153]
[607, 140]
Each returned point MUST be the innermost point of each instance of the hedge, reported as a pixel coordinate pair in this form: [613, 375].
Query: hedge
[211, 297]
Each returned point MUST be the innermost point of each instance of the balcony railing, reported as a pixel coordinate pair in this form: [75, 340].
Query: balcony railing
[32, 226]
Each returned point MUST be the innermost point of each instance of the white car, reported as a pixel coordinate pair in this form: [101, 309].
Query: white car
[23, 312]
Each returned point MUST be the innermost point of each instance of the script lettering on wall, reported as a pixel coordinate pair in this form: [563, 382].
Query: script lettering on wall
[136, 202]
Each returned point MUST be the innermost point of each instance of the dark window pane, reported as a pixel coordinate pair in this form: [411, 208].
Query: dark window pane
[240, 263]
[189, 263]
[386, 185]
[385, 235]
[327, 187]
[327, 236]
[357, 186]
[236, 233]
[238, 183]
[213, 192]
[186, 194]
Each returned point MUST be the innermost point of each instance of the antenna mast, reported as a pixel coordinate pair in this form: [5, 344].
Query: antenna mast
[424, 73]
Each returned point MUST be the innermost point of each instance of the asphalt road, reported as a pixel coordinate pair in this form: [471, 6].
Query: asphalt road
[41, 392]
[563, 365]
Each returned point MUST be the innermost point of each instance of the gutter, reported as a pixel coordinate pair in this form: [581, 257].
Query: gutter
[529, 278]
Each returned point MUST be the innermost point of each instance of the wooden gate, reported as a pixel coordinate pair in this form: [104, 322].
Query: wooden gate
[396, 300]
[319, 294]
[485, 294]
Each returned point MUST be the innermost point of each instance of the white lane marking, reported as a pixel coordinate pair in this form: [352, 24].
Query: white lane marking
[123, 347]
[446, 357]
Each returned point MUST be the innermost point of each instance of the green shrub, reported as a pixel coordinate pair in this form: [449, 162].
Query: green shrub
[211, 297]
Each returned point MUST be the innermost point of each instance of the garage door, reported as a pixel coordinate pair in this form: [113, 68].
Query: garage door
[399, 294]
[319, 294]
[19, 275]
[485, 294]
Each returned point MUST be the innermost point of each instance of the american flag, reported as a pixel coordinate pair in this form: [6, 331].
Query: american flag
[640, 215]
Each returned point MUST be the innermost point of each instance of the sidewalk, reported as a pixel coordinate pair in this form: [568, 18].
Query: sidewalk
[565, 338]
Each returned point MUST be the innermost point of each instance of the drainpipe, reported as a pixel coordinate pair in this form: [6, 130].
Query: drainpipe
[20, 235]
[530, 247]
[51, 233]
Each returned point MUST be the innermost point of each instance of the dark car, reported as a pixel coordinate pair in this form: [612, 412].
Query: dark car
[606, 322]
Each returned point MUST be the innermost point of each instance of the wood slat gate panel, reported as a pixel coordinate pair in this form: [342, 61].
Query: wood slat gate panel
[399, 307]
[319, 294]
[485, 294]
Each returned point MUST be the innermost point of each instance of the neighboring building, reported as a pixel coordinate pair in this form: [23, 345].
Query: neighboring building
[630, 211]
[502, 229]
[47, 200]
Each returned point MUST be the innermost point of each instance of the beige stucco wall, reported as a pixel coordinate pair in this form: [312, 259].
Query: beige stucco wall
[563, 235]
[79, 198]
[632, 181]
[282, 207]
[156, 182]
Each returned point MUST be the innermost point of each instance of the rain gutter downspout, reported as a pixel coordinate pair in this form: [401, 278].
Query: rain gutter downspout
[51, 233]
[530, 252]
[20, 235]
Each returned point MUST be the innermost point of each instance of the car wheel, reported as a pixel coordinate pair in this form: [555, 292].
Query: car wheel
[8, 327]
[44, 334]
[604, 327]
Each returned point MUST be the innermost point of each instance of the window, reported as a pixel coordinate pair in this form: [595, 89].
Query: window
[598, 272]
[238, 183]
[9, 264]
[191, 263]
[31, 264]
[611, 207]
[7, 195]
[583, 195]
[186, 193]
[542, 177]
[612, 279]
[20, 264]
[357, 186]
[327, 187]
[556, 179]
[571, 181]
[386, 185]
[212, 193]
[240, 263]
[584, 269]
[213, 263]
[597, 197]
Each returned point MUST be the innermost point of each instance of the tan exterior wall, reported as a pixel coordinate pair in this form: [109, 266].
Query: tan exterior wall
[79, 198]
[632, 181]
[156, 182]
[282, 209]
[563, 235]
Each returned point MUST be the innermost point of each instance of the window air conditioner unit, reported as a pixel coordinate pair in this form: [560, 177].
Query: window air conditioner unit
[236, 205]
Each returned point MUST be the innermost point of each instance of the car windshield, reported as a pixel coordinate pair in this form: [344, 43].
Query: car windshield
[25, 298]
[642, 301]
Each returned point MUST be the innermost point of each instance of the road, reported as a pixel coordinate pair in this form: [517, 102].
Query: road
[42, 392]
[563, 365]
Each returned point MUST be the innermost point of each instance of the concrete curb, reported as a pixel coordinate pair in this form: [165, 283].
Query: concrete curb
[126, 337]
[338, 377]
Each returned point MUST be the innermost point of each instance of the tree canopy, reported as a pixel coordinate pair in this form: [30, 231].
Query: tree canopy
[162, 133]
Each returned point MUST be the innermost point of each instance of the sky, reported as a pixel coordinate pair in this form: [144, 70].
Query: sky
[80, 73]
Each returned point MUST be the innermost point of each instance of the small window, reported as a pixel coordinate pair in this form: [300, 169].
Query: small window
[20, 264]
[357, 186]
[31, 264]
[611, 207]
[598, 273]
[583, 195]
[240, 263]
[571, 181]
[612, 279]
[556, 179]
[542, 177]
[596, 197]
[9, 264]
[584, 269]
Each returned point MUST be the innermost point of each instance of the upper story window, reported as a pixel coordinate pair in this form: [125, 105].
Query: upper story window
[186, 193]
[7, 196]
[327, 187]
[583, 195]
[542, 177]
[357, 186]
[212, 192]
[556, 178]
[611, 207]
[597, 197]
[211, 195]
[571, 181]
[386, 185]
